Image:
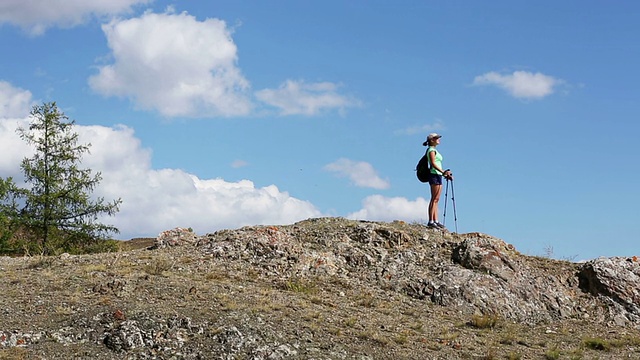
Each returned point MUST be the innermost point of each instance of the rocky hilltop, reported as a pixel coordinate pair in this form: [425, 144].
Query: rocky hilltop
[325, 288]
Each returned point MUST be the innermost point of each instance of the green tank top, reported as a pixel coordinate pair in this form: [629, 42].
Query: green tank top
[438, 160]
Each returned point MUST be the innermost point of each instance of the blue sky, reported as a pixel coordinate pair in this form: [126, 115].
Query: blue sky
[220, 114]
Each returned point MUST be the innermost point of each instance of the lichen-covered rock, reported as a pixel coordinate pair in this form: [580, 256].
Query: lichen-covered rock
[175, 237]
[486, 254]
[617, 279]
[274, 352]
[475, 273]
[529, 297]
[125, 336]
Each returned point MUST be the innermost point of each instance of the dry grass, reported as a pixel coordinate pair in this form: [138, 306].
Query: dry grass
[14, 353]
[302, 286]
[484, 321]
[158, 267]
[597, 344]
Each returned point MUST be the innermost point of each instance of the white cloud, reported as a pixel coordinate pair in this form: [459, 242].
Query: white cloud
[361, 173]
[521, 84]
[35, 16]
[12, 148]
[157, 200]
[174, 64]
[380, 208]
[300, 98]
[15, 106]
[421, 129]
[14, 102]
[238, 164]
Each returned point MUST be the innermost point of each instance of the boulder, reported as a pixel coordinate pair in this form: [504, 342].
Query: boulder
[486, 254]
[175, 237]
[617, 278]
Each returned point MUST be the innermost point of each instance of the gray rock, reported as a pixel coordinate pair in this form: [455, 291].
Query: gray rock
[125, 336]
[474, 273]
[175, 237]
[617, 279]
[484, 253]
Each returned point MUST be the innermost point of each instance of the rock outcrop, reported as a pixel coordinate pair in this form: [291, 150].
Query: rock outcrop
[475, 273]
[616, 282]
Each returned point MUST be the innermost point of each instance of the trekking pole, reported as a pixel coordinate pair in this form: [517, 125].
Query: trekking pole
[453, 200]
[444, 214]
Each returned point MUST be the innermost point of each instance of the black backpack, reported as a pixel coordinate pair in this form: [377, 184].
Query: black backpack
[422, 169]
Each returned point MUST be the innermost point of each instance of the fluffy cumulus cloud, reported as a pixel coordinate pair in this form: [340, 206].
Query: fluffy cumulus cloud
[300, 98]
[360, 173]
[520, 84]
[35, 16]
[14, 108]
[12, 148]
[380, 208]
[14, 102]
[174, 64]
[157, 200]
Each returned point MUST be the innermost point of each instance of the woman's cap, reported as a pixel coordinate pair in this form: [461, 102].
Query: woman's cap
[431, 137]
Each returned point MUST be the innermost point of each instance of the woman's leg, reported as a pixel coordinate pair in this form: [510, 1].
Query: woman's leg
[433, 203]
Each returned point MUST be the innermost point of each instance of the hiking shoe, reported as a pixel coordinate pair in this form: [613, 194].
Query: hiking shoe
[439, 225]
[432, 224]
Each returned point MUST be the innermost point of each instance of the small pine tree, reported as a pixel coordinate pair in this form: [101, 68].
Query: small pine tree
[57, 205]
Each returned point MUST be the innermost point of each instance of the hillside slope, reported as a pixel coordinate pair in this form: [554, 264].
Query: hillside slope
[325, 288]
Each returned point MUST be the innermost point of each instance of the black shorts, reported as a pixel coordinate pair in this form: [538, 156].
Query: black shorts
[435, 179]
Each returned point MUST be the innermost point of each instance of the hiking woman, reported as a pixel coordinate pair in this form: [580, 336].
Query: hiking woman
[435, 178]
